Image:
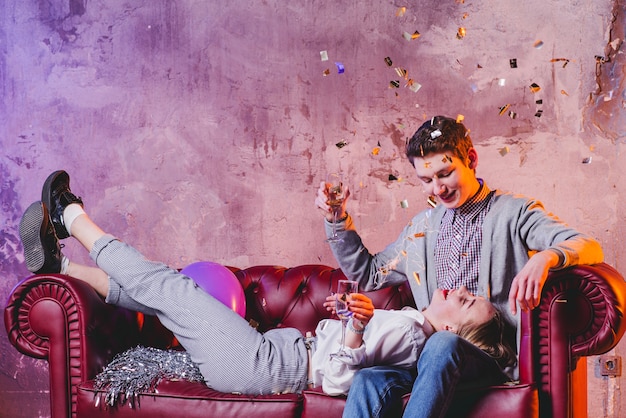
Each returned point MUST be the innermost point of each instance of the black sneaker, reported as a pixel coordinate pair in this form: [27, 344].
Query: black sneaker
[42, 249]
[56, 195]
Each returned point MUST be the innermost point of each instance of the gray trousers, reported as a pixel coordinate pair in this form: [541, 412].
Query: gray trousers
[232, 356]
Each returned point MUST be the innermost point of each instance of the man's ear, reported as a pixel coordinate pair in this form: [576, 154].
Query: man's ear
[472, 158]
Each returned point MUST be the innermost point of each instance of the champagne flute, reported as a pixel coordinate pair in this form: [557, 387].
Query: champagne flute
[334, 182]
[344, 289]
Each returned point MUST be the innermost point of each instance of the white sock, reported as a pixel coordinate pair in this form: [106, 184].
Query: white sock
[70, 213]
[65, 264]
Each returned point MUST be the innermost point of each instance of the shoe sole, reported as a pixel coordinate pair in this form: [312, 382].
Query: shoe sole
[30, 233]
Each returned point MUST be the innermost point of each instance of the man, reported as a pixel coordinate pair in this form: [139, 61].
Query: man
[501, 246]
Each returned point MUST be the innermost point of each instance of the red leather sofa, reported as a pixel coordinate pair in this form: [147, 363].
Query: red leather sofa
[62, 320]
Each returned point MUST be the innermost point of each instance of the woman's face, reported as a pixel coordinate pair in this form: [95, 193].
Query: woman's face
[452, 181]
[451, 309]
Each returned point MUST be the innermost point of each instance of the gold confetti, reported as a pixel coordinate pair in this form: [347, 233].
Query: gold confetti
[401, 72]
[504, 108]
[503, 151]
[416, 35]
[326, 72]
[460, 118]
[460, 33]
[417, 278]
[538, 44]
[376, 150]
[404, 253]
[388, 61]
[400, 11]
[563, 92]
[431, 201]
[427, 164]
[465, 15]
[446, 159]
[565, 61]
[394, 84]
[419, 235]
[534, 87]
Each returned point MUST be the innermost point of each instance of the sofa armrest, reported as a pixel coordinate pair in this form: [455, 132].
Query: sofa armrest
[581, 313]
[586, 303]
[65, 322]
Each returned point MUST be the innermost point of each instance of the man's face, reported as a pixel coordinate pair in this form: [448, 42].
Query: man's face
[457, 307]
[446, 177]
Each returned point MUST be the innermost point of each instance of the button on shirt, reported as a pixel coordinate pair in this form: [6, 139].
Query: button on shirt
[457, 255]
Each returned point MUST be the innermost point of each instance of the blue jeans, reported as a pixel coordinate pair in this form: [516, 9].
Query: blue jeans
[447, 363]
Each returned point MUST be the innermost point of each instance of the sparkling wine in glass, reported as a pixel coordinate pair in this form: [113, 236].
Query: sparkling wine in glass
[334, 182]
[344, 289]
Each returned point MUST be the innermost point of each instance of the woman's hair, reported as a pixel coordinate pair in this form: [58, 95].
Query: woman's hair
[440, 134]
[491, 337]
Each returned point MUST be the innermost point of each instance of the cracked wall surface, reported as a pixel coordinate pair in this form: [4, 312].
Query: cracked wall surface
[199, 130]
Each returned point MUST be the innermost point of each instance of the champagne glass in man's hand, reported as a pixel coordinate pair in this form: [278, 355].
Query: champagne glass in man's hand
[334, 184]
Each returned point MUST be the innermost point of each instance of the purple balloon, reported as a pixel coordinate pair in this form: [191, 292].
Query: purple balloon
[219, 282]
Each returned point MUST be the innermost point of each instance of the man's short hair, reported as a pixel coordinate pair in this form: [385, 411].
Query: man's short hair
[440, 134]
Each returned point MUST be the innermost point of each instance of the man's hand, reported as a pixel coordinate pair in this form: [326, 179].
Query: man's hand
[321, 201]
[361, 307]
[527, 285]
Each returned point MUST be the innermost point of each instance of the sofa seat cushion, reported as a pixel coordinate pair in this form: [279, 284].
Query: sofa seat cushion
[189, 400]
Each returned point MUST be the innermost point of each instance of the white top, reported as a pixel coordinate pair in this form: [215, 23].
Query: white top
[392, 338]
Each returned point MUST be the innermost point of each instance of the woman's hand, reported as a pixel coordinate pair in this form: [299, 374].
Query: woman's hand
[329, 304]
[360, 305]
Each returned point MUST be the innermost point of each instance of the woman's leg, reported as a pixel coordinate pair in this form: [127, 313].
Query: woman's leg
[101, 282]
[232, 356]
[93, 276]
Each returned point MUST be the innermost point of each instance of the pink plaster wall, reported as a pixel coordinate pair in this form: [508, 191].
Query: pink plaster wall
[201, 129]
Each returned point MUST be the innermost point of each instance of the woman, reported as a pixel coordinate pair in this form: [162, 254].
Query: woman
[232, 356]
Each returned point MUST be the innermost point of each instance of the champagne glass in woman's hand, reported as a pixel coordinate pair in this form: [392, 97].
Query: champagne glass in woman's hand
[344, 289]
[334, 184]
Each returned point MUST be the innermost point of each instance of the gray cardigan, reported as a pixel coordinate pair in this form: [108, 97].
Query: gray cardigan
[513, 230]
